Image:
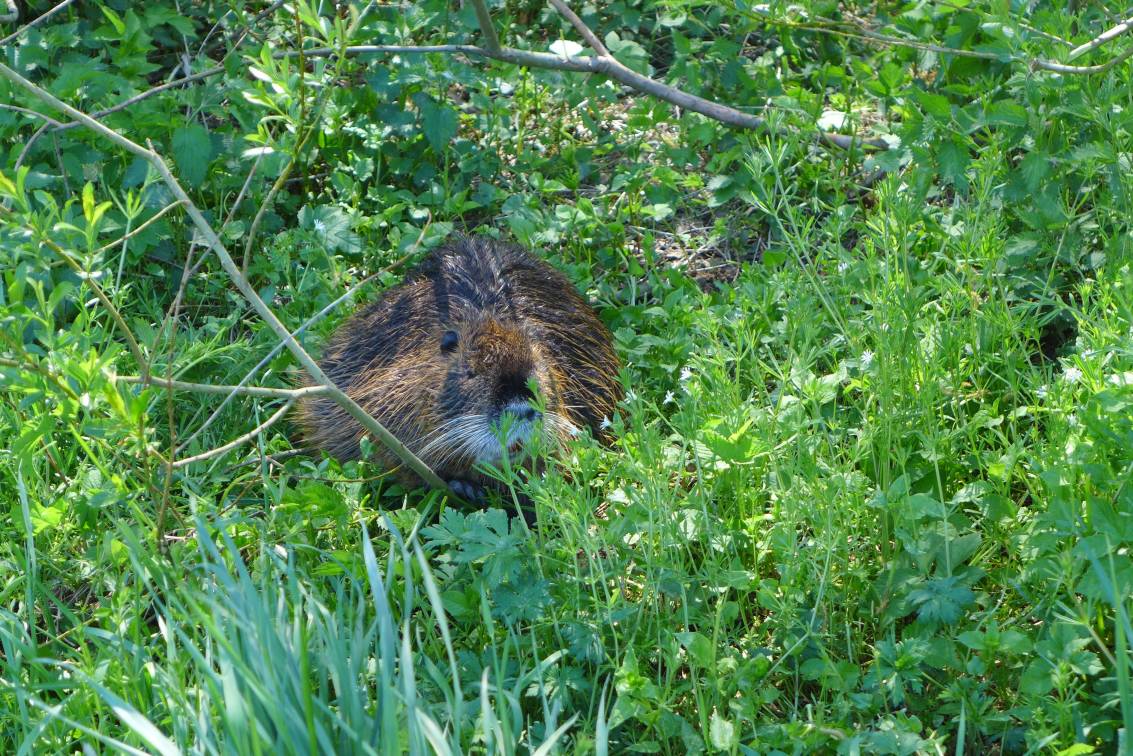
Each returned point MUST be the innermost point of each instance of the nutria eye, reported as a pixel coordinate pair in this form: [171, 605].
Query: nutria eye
[449, 341]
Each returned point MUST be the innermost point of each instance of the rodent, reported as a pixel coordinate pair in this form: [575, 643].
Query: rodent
[449, 356]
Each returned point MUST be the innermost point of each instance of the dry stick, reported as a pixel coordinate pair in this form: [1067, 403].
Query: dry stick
[237, 441]
[269, 392]
[229, 265]
[1101, 39]
[149, 221]
[30, 112]
[187, 272]
[487, 28]
[1047, 65]
[28, 145]
[589, 36]
[635, 81]
[829, 26]
[35, 21]
[609, 67]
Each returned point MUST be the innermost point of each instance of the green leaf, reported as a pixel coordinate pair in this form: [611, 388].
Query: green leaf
[1034, 168]
[722, 733]
[192, 150]
[1006, 113]
[953, 159]
[700, 649]
[333, 228]
[438, 122]
[114, 19]
[1036, 679]
[942, 600]
[934, 105]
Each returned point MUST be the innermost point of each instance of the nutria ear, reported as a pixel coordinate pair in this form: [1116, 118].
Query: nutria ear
[449, 340]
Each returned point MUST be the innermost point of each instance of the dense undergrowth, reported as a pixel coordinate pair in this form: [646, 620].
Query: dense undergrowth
[871, 490]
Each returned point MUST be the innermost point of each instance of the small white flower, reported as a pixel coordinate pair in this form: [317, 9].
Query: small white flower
[843, 267]
[867, 359]
[669, 398]
[1042, 392]
[1072, 374]
[631, 396]
[320, 225]
[605, 424]
[685, 374]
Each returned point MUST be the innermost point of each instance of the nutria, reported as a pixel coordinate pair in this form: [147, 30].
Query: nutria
[448, 359]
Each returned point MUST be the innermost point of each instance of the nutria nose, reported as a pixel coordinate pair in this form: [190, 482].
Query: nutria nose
[523, 411]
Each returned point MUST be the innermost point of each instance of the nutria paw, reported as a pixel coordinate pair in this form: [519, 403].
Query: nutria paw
[470, 492]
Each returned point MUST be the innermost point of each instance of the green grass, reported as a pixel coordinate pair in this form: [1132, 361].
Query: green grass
[871, 490]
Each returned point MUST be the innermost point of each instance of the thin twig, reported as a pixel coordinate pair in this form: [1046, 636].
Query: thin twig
[610, 67]
[149, 221]
[243, 190]
[28, 145]
[340, 397]
[211, 388]
[241, 440]
[829, 26]
[145, 95]
[35, 21]
[487, 28]
[1048, 65]
[30, 112]
[1101, 39]
[589, 36]
[13, 13]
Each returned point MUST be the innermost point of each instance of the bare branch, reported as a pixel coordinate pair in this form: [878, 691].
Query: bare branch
[491, 39]
[588, 35]
[229, 265]
[608, 65]
[605, 66]
[855, 31]
[210, 388]
[1049, 65]
[28, 145]
[33, 113]
[145, 95]
[240, 441]
[34, 22]
[149, 221]
[12, 15]
[1101, 39]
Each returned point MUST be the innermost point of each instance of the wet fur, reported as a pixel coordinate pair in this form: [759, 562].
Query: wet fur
[516, 318]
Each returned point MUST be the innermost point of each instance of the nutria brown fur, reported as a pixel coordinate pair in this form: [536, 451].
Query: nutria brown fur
[449, 357]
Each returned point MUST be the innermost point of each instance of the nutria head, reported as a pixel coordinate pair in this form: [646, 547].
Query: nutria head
[498, 392]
